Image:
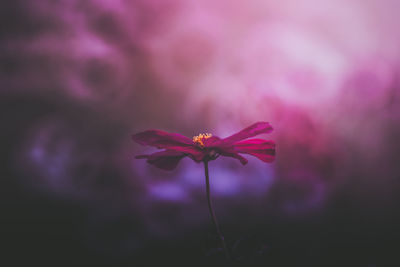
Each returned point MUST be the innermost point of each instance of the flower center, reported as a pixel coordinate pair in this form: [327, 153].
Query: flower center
[199, 139]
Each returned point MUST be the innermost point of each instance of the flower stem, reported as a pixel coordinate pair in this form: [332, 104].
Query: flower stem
[212, 213]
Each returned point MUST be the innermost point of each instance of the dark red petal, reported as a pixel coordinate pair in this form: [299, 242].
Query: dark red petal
[255, 144]
[196, 153]
[166, 160]
[212, 141]
[235, 155]
[253, 130]
[161, 139]
[260, 148]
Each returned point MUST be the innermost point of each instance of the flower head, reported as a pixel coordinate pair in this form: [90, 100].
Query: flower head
[205, 147]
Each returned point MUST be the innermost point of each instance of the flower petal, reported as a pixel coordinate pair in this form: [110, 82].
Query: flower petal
[166, 160]
[212, 141]
[161, 139]
[234, 155]
[260, 148]
[253, 130]
[196, 153]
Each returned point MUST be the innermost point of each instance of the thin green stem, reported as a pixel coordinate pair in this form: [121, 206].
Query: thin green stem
[212, 213]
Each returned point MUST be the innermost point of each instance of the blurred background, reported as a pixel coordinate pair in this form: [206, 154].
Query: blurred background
[79, 77]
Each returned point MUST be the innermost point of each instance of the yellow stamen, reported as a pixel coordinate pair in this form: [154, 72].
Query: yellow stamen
[199, 139]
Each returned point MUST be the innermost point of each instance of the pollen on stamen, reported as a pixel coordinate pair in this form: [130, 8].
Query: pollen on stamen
[199, 139]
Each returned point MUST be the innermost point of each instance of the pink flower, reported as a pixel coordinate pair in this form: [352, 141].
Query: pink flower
[205, 147]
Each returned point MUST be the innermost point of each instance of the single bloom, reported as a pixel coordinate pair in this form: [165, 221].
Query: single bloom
[206, 147]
